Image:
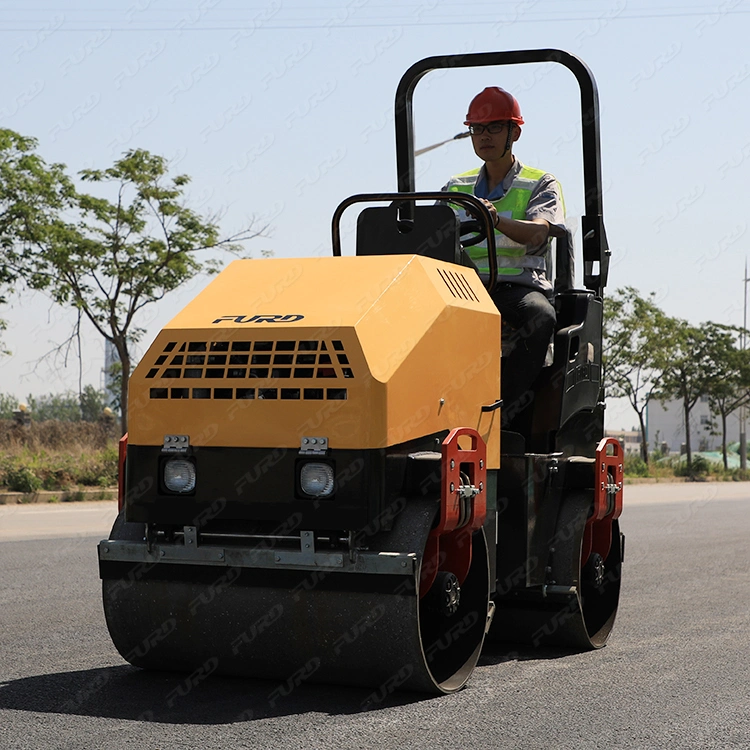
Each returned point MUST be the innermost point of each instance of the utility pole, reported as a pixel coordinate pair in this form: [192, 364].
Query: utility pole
[743, 433]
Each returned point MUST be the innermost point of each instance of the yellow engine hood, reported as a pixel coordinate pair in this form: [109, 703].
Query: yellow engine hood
[366, 351]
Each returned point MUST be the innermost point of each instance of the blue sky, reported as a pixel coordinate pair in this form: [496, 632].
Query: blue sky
[278, 111]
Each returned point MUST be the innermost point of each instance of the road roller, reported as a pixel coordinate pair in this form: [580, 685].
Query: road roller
[317, 484]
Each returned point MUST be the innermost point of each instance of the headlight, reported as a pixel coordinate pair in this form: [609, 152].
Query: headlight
[316, 479]
[179, 475]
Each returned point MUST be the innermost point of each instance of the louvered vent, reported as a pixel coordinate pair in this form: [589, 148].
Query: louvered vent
[458, 285]
[247, 361]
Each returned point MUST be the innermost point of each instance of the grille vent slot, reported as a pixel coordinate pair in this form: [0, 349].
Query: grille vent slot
[261, 394]
[458, 285]
[248, 361]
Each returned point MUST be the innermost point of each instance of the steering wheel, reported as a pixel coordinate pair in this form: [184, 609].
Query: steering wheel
[472, 225]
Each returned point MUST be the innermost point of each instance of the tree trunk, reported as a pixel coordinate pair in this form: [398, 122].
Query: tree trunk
[724, 440]
[688, 451]
[644, 438]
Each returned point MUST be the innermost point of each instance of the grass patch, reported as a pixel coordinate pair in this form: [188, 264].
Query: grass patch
[57, 456]
[702, 470]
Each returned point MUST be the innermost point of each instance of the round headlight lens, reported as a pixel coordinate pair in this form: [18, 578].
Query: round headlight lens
[316, 480]
[179, 475]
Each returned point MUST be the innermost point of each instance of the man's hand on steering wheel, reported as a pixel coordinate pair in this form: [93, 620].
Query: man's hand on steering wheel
[477, 226]
[491, 208]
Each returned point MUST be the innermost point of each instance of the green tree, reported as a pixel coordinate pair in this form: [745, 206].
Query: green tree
[686, 360]
[729, 389]
[92, 403]
[8, 404]
[32, 193]
[64, 407]
[633, 334]
[121, 255]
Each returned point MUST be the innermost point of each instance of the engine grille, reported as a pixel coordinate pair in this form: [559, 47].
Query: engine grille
[246, 361]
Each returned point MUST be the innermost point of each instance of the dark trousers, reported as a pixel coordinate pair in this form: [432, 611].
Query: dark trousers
[531, 318]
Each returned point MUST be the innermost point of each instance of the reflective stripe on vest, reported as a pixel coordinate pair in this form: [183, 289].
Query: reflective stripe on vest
[511, 256]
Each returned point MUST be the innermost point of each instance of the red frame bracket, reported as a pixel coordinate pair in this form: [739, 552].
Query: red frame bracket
[449, 544]
[608, 479]
[608, 483]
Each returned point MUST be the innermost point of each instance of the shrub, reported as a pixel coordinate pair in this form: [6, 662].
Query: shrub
[700, 469]
[98, 469]
[701, 466]
[22, 479]
[634, 465]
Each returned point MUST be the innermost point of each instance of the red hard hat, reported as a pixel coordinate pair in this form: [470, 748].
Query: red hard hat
[494, 104]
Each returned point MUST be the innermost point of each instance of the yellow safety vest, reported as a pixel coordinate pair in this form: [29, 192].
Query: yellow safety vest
[511, 256]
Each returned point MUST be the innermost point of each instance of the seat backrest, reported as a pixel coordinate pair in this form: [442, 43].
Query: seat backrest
[433, 232]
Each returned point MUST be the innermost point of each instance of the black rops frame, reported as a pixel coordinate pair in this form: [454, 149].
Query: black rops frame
[595, 248]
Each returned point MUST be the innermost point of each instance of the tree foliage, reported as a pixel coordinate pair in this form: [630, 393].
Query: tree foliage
[88, 406]
[650, 356]
[93, 402]
[8, 404]
[729, 389]
[32, 193]
[61, 406]
[634, 328]
[687, 366]
[111, 257]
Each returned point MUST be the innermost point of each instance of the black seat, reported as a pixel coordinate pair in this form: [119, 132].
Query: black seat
[433, 232]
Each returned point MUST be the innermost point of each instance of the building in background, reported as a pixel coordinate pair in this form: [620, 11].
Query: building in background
[629, 439]
[666, 424]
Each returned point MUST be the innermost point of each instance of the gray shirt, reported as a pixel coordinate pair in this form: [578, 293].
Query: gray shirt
[545, 203]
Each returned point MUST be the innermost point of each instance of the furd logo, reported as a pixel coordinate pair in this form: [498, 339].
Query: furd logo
[259, 319]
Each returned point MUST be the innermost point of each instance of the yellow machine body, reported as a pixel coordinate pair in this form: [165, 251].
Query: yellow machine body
[369, 352]
[311, 488]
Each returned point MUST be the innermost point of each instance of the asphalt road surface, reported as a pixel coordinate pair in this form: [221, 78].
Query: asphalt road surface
[676, 672]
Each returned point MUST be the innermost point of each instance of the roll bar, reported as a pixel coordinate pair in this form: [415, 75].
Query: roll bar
[406, 202]
[596, 253]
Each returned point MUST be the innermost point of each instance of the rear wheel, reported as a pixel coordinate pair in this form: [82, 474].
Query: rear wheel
[597, 579]
[577, 608]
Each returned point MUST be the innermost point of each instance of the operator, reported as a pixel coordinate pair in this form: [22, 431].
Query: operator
[527, 210]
